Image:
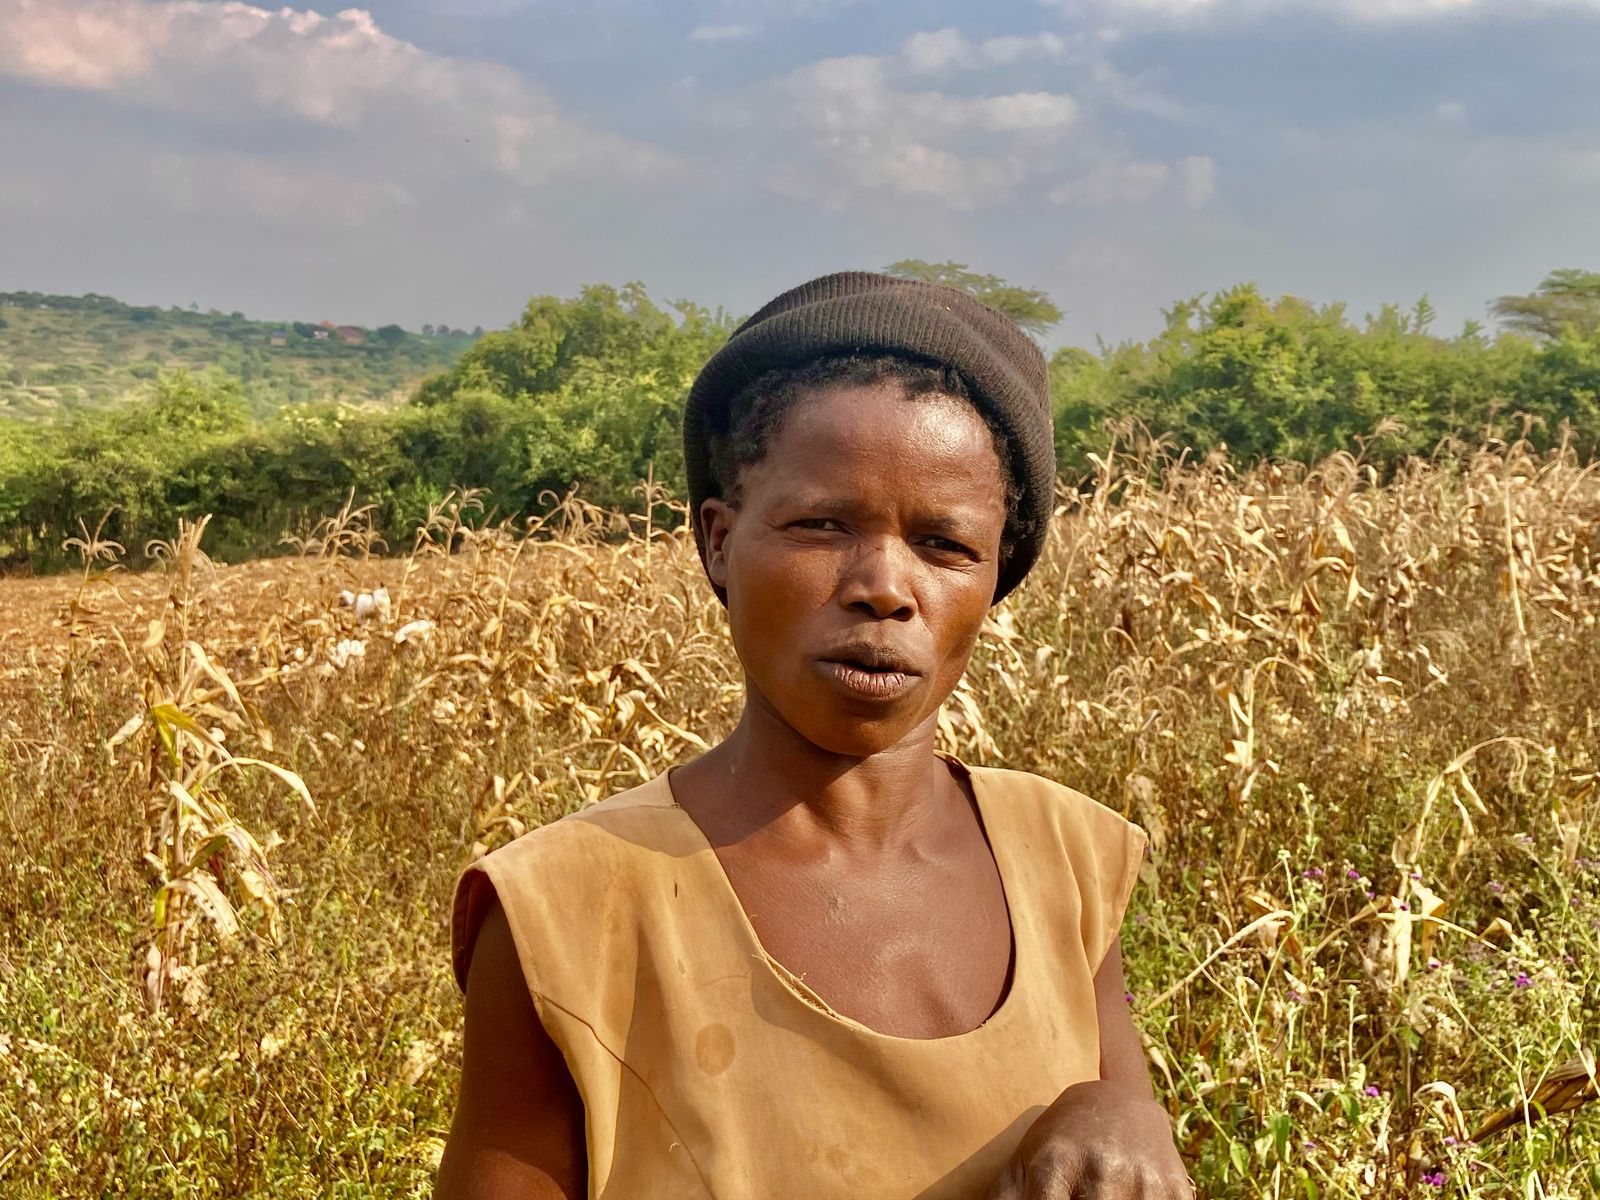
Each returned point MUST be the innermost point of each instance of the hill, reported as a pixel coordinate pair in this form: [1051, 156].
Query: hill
[59, 354]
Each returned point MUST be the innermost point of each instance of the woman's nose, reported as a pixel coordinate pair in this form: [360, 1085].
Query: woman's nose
[878, 581]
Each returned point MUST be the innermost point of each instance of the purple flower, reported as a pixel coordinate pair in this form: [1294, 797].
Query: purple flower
[1433, 1178]
[1352, 873]
[1311, 873]
[1371, 894]
[1296, 996]
[1496, 887]
[1416, 874]
[1449, 1140]
[1523, 980]
[1370, 1090]
[1128, 996]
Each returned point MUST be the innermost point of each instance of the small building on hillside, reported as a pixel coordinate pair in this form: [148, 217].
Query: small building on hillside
[351, 335]
[279, 337]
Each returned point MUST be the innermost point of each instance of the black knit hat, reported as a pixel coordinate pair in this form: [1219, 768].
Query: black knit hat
[860, 312]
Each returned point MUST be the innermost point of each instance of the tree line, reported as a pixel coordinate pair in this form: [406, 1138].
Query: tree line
[587, 392]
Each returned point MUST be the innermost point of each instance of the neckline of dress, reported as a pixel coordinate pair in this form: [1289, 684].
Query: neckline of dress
[797, 988]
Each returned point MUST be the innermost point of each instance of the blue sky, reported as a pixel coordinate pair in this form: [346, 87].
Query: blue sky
[442, 160]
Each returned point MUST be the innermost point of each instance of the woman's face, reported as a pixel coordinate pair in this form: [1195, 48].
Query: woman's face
[860, 562]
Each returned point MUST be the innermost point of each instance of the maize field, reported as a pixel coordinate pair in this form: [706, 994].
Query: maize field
[1358, 716]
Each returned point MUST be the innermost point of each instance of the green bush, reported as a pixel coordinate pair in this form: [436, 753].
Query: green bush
[587, 392]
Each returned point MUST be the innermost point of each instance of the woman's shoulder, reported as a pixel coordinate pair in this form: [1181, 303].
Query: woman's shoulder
[1073, 849]
[638, 816]
[585, 868]
[1050, 800]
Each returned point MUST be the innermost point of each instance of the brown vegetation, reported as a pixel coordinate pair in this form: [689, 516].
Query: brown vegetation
[1358, 719]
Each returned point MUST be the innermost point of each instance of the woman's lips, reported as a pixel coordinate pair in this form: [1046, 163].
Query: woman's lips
[868, 683]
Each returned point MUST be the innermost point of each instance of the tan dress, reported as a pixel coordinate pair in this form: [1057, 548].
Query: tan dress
[708, 1070]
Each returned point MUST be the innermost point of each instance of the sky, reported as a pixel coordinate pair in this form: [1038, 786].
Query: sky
[441, 161]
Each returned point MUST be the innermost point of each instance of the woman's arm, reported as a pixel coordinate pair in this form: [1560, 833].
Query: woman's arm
[1122, 1059]
[518, 1129]
[1107, 1138]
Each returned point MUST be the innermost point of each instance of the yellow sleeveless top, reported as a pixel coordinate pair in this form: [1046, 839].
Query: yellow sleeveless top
[708, 1070]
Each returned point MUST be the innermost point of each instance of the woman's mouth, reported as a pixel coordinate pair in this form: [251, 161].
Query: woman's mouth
[867, 681]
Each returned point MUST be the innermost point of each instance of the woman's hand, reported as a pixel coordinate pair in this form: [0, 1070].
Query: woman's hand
[1106, 1138]
[1098, 1141]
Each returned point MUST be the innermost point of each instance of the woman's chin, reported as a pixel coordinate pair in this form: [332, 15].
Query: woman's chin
[850, 730]
[852, 737]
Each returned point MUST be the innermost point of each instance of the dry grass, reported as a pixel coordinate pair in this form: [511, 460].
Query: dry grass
[1358, 720]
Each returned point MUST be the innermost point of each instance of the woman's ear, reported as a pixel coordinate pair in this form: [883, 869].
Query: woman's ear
[716, 519]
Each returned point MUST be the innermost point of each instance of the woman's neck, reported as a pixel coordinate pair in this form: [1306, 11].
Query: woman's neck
[767, 780]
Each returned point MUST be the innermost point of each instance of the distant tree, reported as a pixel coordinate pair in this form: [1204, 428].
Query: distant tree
[477, 331]
[586, 390]
[304, 329]
[194, 306]
[1568, 298]
[427, 331]
[1030, 308]
[185, 402]
[389, 335]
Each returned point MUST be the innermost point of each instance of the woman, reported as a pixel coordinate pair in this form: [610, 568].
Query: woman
[823, 960]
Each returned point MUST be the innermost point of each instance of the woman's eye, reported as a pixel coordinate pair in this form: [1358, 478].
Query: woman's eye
[947, 546]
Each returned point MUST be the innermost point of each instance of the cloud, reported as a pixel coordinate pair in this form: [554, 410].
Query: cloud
[232, 64]
[1198, 178]
[285, 161]
[846, 129]
[1192, 181]
[58, 44]
[1113, 183]
[721, 33]
[882, 130]
[1367, 11]
[856, 94]
[949, 49]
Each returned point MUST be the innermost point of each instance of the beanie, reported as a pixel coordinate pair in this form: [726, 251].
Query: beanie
[861, 312]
